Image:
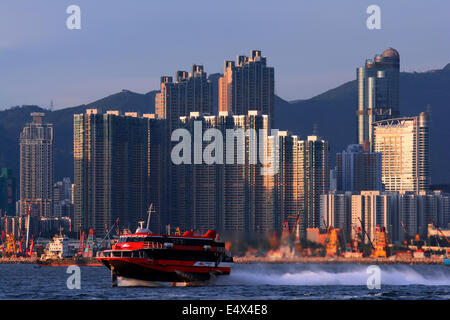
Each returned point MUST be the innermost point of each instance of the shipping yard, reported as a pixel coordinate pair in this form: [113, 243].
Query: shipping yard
[333, 247]
[58, 251]
[326, 246]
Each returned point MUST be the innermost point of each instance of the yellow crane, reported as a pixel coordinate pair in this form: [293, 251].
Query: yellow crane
[332, 240]
[332, 243]
[10, 246]
[379, 250]
[296, 228]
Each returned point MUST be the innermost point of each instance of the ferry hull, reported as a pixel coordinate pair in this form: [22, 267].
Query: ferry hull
[140, 269]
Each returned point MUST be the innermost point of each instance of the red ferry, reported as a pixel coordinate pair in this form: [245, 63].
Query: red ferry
[167, 258]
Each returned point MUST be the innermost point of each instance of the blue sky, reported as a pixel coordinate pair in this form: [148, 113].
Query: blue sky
[313, 45]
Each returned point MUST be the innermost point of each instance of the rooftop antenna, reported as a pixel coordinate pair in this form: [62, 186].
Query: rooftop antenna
[429, 109]
[315, 129]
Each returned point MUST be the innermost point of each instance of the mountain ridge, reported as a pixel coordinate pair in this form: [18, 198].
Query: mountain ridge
[332, 113]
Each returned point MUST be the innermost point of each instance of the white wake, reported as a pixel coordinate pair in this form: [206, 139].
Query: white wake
[322, 275]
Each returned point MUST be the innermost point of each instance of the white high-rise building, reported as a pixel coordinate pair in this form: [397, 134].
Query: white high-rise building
[404, 146]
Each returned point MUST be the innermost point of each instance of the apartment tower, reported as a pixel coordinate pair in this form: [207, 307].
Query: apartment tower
[248, 84]
[36, 167]
[111, 170]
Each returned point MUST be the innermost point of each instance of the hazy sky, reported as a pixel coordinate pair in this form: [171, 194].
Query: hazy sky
[314, 45]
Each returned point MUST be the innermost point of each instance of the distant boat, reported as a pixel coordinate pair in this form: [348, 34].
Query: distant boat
[57, 255]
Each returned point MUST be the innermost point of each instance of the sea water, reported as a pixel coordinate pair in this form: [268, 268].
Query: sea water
[246, 281]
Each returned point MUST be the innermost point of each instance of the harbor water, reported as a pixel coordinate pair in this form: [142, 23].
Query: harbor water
[247, 281]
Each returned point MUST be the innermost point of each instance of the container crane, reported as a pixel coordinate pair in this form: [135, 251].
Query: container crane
[440, 232]
[296, 228]
[82, 244]
[115, 225]
[365, 233]
[405, 231]
[28, 227]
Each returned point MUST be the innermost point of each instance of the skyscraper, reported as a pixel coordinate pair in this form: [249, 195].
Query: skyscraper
[404, 146]
[289, 182]
[192, 92]
[36, 167]
[303, 176]
[110, 170]
[157, 172]
[7, 192]
[378, 93]
[231, 197]
[358, 170]
[196, 183]
[62, 199]
[314, 156]
[247, 85]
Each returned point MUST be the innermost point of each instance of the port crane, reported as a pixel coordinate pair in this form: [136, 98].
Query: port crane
[347, 245]
[28, 226]
[379, 249]
[440, 232]
[380, 243]
[10, 246]
[405, 231]
[296, 227]
[365, 233]
[357, 240]
[331, 249]
[115, 225]
[82, 243]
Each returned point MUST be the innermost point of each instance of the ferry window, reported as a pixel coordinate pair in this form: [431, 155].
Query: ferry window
[126, 254]
[155, 240]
